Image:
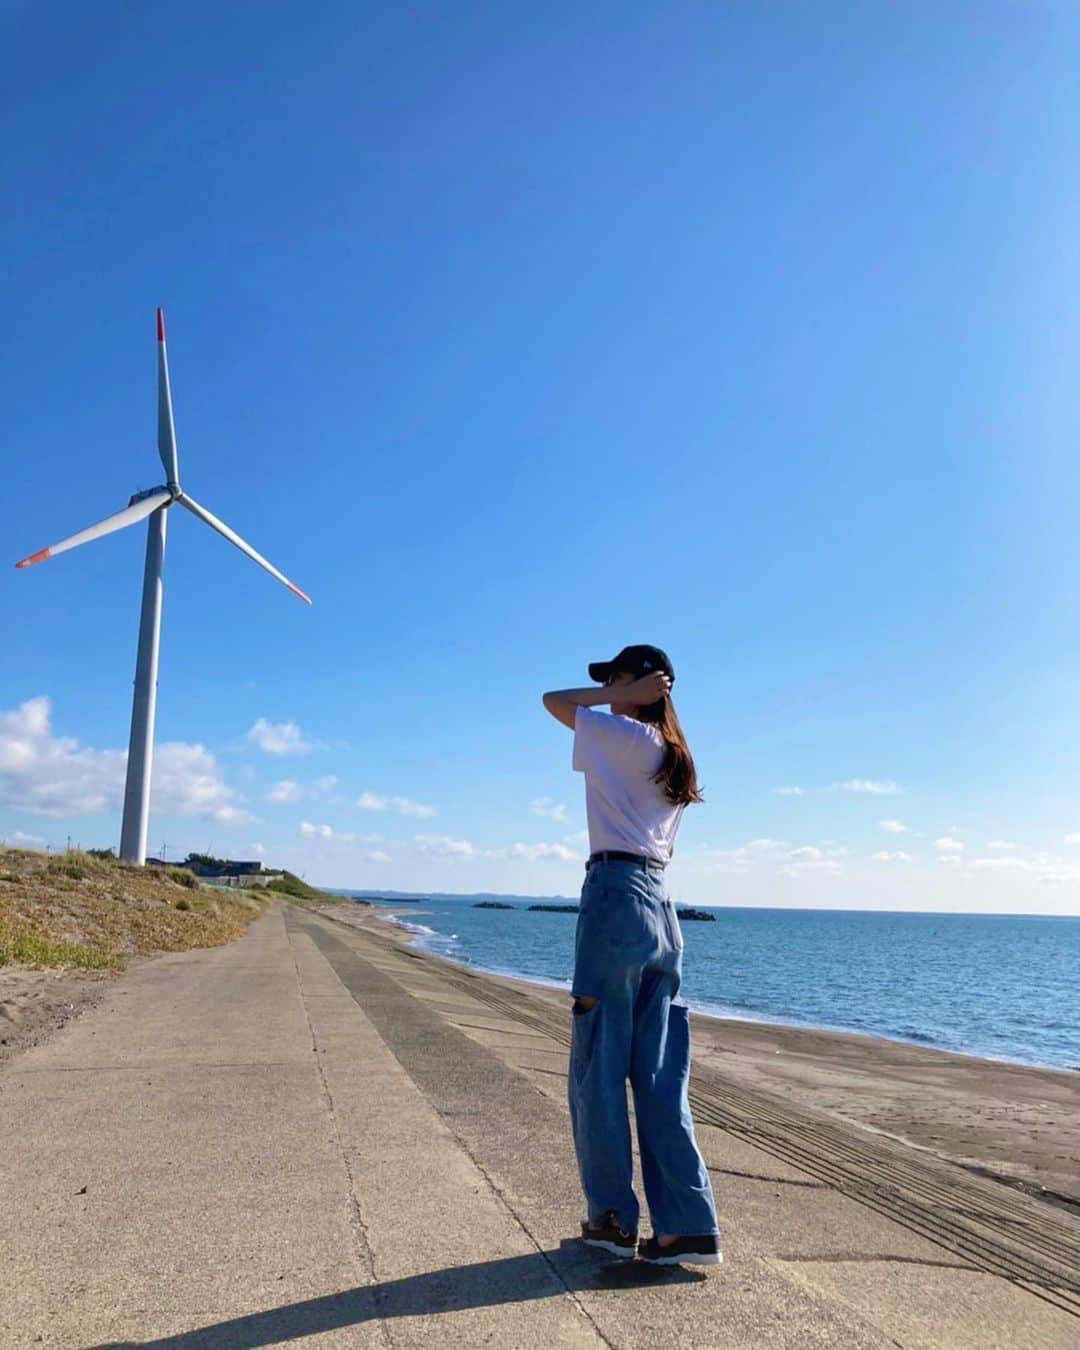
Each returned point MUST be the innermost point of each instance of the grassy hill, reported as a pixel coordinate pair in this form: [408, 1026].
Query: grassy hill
[290, 884]
[77, 910]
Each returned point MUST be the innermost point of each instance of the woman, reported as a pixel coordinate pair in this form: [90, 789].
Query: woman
[639, 776]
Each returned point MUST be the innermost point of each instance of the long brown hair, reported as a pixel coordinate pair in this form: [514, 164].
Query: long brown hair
[677, 773]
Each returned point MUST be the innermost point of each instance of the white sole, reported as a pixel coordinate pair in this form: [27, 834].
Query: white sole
[627, 1253]
[686, 1259]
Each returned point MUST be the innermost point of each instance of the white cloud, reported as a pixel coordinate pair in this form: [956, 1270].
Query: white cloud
[789, 792]
[576, 840]
[369, 801]
[259, 850]
[19, 730]
[804, 865]
[876, 787]
[278, 738]
[442, 846]
[774, 853]
[898, 856]
[738, 859]
[55, 776]
[948, 844]
[543, 852]
[378, 856]
[320, 832]
[21, 840]
[288, 790]
[1007, 843]
[546, 806]
[951, 859]
[234, 815]
[893, 826]
[1040, 867]
[187, 782]
[1073, 838]
[407, 807]
[404, 806]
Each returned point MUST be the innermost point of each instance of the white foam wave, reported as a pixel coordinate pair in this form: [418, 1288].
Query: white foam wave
[427, 939]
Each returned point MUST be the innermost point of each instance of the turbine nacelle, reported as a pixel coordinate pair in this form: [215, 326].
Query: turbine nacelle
[153, 492]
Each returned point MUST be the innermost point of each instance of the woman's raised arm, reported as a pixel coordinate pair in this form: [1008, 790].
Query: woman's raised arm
[561, 703]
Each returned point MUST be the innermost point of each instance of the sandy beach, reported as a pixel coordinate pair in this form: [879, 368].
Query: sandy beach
[1018, 1123]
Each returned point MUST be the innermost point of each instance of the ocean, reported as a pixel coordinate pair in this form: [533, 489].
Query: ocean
[998, 986]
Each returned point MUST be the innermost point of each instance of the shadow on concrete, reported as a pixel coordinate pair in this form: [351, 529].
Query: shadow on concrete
[485, 1284]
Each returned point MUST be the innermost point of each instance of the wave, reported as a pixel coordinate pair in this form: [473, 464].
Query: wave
[427, 939]
[420, 929]
[919, 1037]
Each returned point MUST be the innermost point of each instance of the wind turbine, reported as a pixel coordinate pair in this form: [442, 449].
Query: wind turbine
[153, 503]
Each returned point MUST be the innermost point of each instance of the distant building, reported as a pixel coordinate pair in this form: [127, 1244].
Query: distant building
[248, 879]
[242, 869]
[225, 867]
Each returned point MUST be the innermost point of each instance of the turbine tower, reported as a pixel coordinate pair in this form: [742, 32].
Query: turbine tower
[153, 503]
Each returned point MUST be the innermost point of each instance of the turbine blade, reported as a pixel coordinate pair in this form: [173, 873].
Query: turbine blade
[209, 519]
[166, 431]
[130, 515]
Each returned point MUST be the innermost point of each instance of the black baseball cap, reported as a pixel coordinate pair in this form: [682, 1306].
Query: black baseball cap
[638, 661]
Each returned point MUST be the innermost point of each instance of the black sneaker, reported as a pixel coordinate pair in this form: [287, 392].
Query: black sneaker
[610, 1236]
[684, 1251]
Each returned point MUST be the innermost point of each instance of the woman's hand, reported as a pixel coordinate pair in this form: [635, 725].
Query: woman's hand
[649, 689]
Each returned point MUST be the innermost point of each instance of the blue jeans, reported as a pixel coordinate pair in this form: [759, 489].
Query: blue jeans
[628, 956]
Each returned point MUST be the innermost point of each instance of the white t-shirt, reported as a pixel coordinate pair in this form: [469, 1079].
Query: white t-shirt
[626, 810]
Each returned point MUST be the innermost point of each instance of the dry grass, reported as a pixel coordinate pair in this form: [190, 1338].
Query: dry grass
[74, 910]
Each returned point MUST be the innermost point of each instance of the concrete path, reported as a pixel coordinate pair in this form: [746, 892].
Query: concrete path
[316, 1136]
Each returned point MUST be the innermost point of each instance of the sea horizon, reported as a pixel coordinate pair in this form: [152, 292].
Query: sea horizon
[452, 896]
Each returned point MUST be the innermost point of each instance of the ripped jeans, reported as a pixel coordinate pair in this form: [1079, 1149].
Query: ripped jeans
[628, 956]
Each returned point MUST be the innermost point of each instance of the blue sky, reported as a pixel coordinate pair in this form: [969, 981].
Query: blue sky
[516, 334]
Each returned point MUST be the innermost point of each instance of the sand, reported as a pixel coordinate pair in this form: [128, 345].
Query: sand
[35, 1004]
[1017, 1123]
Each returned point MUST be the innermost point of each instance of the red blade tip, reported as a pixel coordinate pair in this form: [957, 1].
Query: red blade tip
[40, 556]
[297, 591]
[160, 326]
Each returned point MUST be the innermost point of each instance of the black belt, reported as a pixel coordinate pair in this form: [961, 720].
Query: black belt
[616, 855]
